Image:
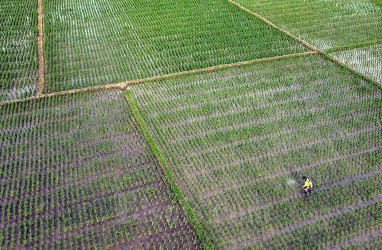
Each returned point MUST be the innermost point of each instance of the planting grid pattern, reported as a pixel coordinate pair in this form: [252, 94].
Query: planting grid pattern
[324, 23]
[367, 60]
[239, 140]
[75, 173]
[18, 50]
[93, 42]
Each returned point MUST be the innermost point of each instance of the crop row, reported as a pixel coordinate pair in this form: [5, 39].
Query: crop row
[325, 24]
[365, 217]
[370, 241]
[282, 213]
[249, 192]
[18, 60]
[33, 141]
[367, 60]
[76, 172]
[90, 44]
[242, 139]
[119, 236]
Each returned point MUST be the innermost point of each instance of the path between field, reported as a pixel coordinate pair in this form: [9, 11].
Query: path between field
[316, 218]
[305, 43]
[125, 85]
[310, 46]
[40, 44]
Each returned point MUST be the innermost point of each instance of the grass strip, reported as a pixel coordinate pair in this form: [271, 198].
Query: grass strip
[354, 46]
[169, 176]
[345, 66]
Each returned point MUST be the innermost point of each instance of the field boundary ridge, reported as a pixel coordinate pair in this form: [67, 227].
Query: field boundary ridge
[265, 20]
[124, 85]
[312, 47]
[168, 175]
[352, 70]
[40, 44]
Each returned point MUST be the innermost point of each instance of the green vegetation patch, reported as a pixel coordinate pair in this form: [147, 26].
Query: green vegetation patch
[324, 23]
[239, 141]
[92, 42]
[18, 50]
[367, 60]
[76, 173]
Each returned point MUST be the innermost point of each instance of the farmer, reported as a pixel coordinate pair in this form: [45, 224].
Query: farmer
[308, 185]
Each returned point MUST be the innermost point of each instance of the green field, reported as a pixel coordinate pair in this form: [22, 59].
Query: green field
[96, 42]
[18, 52]
[239, 140]
[324, 23]
[367, 60]
[76, 173]
[178, 124]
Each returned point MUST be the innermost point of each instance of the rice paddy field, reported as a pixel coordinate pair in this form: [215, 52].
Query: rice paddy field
[18, 50]
[190, 124]
[324, 23]
[366, 60]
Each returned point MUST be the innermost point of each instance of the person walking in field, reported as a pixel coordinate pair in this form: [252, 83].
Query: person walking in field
[308, 185]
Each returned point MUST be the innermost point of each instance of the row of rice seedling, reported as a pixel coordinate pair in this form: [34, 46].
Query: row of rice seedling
[239, 140]
[324, 23]
[272, 215]
[75, 172]
[367, 60]
[332, 230]
[95, 42]
[370, 241]
[18, 50]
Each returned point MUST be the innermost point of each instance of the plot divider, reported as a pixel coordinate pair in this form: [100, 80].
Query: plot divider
[124, 85]
[40, 44]
[168, 175]
[305, 43]
[312, 47]
[352, 70]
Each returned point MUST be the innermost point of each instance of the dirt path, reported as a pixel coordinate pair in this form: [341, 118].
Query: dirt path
[125, 85]
[306, 44]
[310, 46]
[41, 57]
